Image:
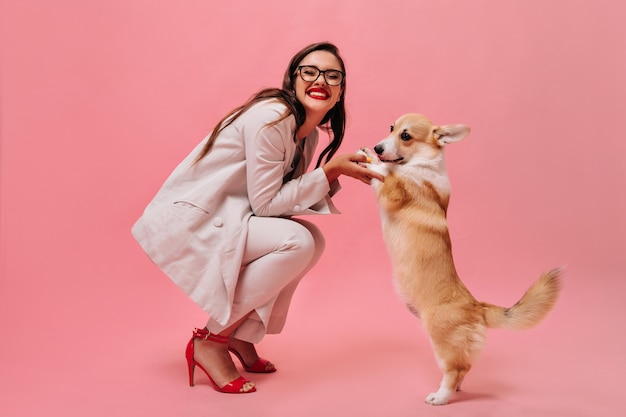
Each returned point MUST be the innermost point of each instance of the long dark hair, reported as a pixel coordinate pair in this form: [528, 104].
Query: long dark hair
[336, 117]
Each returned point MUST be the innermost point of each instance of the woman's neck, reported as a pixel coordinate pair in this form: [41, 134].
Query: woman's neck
[309, 126]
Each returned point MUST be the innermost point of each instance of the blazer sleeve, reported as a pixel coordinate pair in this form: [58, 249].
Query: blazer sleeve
[269, 150]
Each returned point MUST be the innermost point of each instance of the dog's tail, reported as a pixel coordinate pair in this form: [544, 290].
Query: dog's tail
[531, 308]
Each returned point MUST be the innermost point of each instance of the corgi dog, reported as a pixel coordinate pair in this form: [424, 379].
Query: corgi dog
[413, 200]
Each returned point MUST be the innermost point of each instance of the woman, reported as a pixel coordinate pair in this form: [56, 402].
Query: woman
[221, 227]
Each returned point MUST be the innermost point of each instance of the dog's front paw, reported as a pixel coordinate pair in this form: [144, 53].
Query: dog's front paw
[374, 163]
[372, 158]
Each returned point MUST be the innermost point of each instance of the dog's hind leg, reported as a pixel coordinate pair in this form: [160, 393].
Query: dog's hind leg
[455, 351]
[451, 382]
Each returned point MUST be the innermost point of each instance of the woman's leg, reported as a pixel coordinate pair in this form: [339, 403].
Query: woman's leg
[276, 312]
[215, 358]
[278, 253]
[280, 308]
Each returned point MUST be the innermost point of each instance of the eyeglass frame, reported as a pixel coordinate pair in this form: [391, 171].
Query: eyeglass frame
[320, 72]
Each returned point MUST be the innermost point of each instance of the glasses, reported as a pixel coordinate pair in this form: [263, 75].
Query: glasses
[310, 74]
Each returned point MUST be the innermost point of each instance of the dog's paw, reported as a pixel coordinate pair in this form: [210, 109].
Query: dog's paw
[438, 398]
[372, 158]
[381, 168]
[374, 163]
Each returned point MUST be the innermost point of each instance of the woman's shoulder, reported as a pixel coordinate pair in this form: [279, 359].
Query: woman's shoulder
[268, 111]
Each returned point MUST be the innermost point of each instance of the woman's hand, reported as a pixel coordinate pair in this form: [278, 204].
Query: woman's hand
[351, 165]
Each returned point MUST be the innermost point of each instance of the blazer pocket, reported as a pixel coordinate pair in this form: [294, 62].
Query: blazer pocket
[190, 217]
[191, 206]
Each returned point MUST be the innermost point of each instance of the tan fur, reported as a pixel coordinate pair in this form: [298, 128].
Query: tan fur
[413, 200]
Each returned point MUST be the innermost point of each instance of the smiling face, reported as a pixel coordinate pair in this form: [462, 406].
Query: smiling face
[317, 97]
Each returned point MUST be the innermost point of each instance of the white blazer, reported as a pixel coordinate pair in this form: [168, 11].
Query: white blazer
[195, 228]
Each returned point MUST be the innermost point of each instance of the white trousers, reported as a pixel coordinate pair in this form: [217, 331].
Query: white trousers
[278, 253]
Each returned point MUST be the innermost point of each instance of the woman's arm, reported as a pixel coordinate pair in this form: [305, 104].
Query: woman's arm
[269, 150]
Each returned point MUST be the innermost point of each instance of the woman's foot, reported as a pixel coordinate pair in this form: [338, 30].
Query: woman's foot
[214, 357]
[248, 356]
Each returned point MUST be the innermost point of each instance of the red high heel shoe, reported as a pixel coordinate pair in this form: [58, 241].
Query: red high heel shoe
[233, 387]
[258, 367]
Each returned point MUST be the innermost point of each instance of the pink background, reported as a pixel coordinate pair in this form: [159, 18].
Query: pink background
[101, 99]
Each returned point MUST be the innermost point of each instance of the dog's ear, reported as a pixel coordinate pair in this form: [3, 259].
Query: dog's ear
[450, 133]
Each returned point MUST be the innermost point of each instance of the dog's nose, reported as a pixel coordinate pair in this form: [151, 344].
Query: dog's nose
[379, 149]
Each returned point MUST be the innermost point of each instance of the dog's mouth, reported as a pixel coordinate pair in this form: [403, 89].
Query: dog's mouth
[392, 161]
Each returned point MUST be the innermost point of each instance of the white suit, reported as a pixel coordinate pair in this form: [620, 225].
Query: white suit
[195, 229]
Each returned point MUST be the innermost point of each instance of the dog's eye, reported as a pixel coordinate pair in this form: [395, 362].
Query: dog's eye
[405, 136]
[391, 128]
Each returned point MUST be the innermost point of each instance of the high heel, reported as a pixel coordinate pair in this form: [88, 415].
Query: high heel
[258, 367]
[233, 387]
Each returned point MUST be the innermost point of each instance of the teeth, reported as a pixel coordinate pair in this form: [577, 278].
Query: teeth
[317, 94]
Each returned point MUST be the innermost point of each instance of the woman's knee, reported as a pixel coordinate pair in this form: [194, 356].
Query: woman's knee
[300, 241]
[313, 238]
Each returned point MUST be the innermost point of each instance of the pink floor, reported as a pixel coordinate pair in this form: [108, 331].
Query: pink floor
[101, 99]
[349, 349]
